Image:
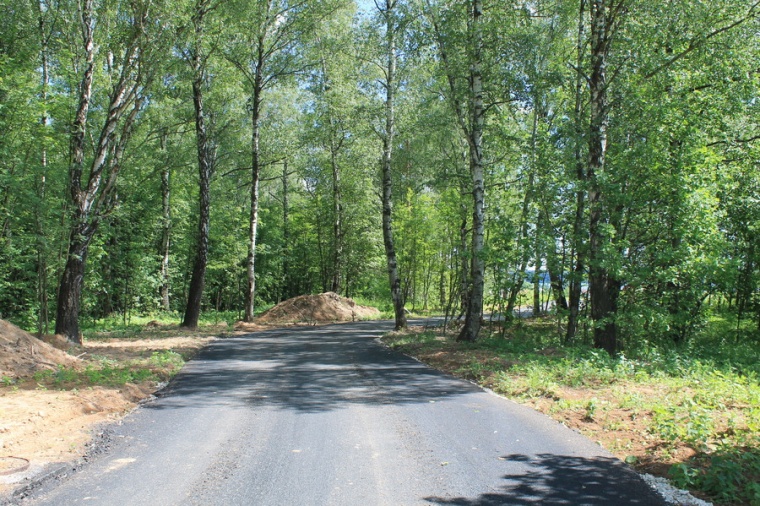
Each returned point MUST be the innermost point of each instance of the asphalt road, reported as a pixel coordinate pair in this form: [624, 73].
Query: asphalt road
[328, 416]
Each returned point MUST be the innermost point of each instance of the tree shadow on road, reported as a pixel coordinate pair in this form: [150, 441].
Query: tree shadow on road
[565, 480]
[307, 369]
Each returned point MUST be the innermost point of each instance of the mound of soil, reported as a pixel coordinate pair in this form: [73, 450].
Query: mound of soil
[322, 308]
[21, 354]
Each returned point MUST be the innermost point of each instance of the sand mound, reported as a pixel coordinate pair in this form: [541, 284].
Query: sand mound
[321, 308]
[22, 354]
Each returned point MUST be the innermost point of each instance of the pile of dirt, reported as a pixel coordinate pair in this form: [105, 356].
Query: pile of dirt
[21, 354]
[322, 308]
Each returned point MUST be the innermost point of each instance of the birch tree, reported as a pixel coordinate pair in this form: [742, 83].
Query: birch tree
[469, 112]
[93, 173]
[197, 57]
[390, 15]
[263, 51]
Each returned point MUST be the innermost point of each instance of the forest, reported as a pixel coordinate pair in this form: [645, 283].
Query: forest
[595, 159]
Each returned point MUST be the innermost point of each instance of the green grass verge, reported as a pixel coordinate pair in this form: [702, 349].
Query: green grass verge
[159, 367]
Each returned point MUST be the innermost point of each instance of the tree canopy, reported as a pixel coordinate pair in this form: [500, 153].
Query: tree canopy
[597, 159]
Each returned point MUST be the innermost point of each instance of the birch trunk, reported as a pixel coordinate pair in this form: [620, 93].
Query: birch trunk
[477, 270]
[95, 197]
[165, 237]
[253, 223]
[205, 166]
[388, 139]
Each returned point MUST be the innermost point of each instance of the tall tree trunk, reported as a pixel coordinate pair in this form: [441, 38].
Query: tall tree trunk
[43, 318]
[96, 197]
[286, 288]
[253, 224]
[70, 289]
[576, 278]
[166, 226]
[603, 288]
[335, 145]
[337, 267]
[388, 139]
[477, 115]
[205, 167]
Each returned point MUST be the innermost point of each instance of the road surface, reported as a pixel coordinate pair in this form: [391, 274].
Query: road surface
[328, 416]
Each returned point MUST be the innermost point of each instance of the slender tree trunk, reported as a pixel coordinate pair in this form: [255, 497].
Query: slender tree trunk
[165, 241]
[42, 249]
[166, 232]
[388, 139]
[205, 167]
[576, 278]
[337, 267]
[286, 283]
[442, 285]
[337, 199]
[477, 112]
[258, 87]
[603, 288]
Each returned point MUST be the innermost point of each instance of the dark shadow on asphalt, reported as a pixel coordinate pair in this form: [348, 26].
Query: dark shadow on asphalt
[307, 369]
[565, 480]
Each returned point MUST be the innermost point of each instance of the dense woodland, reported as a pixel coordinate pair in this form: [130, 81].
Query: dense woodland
[197, 155]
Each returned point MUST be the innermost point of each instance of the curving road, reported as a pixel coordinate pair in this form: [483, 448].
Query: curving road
[327, 416]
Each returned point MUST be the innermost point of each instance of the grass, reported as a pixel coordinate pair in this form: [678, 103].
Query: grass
[155, 325]
[115, 368]
[689, 413]
[102, 371]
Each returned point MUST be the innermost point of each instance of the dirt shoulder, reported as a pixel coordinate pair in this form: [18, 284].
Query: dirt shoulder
[51, 400]
[53, 396]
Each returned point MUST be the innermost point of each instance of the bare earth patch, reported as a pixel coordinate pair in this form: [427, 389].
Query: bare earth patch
[47, 408]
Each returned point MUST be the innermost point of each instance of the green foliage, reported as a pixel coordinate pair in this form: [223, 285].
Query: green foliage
[679, 189]
[729, 474]
[159, 367]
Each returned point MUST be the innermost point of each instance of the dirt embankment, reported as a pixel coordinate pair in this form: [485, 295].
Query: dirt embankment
[44, 418]
[22, 354]
[325, 307]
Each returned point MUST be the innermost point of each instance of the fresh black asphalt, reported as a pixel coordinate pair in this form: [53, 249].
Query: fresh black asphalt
[328, 416]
